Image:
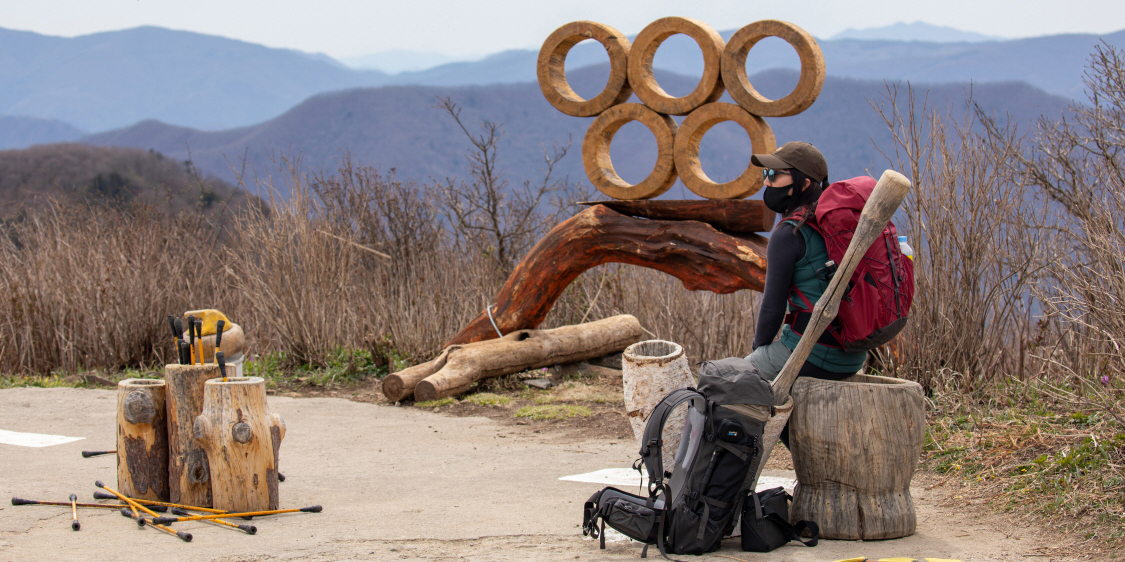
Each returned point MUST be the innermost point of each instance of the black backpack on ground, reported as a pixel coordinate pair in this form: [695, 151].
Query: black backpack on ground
[693, 504]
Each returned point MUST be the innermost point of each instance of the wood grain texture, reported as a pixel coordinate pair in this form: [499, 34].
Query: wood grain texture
[738, 84]
[241, 438]
[888, 194]
[189, 478]
[693, 252]
[855, 446]
[142, 439]
[528, 349]
[599, 166]
[641, 55]
[551, 68]
[727, 215]
[690, 135]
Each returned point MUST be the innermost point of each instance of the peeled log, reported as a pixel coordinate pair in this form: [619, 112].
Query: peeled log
[189, 479]
[693, 252]
[855, 445]
[242, 440]
[528, 349]
[142, 439]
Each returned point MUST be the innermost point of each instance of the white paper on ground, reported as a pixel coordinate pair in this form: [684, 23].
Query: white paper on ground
[34, 439]
[627, 477]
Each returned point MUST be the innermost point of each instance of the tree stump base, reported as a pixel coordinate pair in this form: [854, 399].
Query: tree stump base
[189, 479]
[649, 371]
[855, 445]
[242, 440]
[142, 439]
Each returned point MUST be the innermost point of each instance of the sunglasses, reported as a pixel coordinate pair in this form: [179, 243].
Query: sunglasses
[771, 174]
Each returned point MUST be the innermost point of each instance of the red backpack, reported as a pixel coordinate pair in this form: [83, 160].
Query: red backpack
[877, 302]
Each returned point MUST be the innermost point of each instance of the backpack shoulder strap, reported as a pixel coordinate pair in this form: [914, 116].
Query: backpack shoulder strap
[652, 440]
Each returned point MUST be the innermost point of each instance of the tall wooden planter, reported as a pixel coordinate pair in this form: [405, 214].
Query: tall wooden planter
[242, 440]
[142, 439]
[855, 445]
[189, 478]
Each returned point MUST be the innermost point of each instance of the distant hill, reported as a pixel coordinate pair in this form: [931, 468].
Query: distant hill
[398, 127]
[79, 173]
[18, 132]
[917, 31]
[115, 79]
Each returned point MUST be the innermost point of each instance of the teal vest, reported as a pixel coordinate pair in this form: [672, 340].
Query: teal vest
[805, 279]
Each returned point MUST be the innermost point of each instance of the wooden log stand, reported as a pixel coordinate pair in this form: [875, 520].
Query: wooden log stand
[649, 371]
[855, 445]
[189, 479]
[242, 440]
[142, 439]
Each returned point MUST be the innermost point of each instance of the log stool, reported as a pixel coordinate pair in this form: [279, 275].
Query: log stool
[242, 440]
[649, 371]
[855, 445]
[142, 439]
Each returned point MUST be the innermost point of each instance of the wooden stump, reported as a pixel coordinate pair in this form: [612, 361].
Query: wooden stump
[142, 439]
[189, 479]
[242, 440]
[649, 371]
[738, 85]
[551, 68]
[641, 55]
[690, 135]
[855, 445]
[599, 166]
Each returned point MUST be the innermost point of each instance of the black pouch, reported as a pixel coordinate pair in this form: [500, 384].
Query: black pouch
[765, 522]
[632, 515]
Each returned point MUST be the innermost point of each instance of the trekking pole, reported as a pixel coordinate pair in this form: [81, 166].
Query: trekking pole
[134, 506]
[249, 529]
[312, 509]
[199, 337]
[880, 207]
[21, 501]
[156, 505]
[88, 454]
[175, 335]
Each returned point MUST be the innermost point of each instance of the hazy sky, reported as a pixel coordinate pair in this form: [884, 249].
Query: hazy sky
[343, 28]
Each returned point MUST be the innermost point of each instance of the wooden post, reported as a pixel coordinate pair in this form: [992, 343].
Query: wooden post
[142, 439]
[242, 440]
[189, 480]
[855, 446]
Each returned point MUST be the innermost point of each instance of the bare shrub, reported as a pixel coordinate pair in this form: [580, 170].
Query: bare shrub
[977, 240]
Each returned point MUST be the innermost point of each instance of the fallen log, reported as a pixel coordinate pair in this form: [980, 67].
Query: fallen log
[458, 367]
[693, 252]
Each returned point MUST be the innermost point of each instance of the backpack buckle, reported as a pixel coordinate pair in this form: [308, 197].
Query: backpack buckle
[825, 273]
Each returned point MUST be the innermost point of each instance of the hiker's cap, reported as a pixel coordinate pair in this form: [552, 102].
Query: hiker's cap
[796, 154]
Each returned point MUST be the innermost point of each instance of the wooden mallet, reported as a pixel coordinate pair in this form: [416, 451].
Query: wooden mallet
[880, 207]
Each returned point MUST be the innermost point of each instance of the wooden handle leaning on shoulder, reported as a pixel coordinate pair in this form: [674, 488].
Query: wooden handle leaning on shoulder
[880, 207]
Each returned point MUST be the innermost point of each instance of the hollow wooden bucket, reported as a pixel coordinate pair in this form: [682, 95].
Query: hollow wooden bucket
[142, 439]
[649, 371]
[855, 445]
[242, 440]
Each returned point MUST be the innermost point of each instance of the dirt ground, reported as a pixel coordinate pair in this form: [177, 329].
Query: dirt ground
[464, 482]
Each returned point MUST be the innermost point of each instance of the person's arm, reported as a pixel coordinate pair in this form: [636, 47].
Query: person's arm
[784, 249]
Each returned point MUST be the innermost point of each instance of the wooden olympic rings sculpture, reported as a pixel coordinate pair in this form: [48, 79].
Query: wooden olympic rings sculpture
[724, 68]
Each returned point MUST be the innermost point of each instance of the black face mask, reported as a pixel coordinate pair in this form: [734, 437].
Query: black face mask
[778, 200]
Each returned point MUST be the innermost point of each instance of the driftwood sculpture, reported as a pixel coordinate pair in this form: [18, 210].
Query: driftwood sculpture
[692, 251]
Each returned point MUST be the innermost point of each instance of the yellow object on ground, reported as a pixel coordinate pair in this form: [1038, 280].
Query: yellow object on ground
[209, 316]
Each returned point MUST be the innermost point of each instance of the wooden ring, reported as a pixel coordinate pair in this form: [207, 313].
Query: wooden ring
[643, 81]
[690, 134]
[734, 69]
[599, 166]
[551, 68]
